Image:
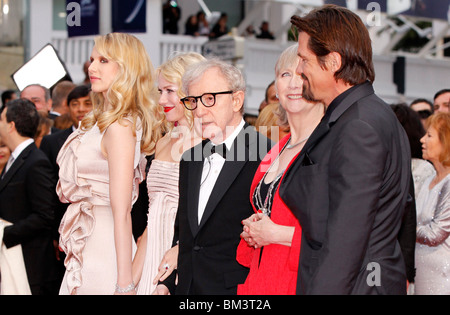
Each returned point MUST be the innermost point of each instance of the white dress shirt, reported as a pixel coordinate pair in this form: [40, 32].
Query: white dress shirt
[211, 170]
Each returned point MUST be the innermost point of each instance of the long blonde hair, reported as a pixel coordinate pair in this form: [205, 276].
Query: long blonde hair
[173, 70]
[132, 93]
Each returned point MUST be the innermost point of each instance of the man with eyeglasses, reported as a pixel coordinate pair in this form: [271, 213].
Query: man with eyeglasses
[215, 180]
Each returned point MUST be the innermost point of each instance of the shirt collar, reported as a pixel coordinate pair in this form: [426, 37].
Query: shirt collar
[21, 147]
[230, 140]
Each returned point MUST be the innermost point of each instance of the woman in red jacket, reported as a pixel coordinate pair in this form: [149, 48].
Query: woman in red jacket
[271, 238]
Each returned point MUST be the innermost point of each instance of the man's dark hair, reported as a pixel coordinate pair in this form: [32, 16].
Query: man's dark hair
[25, 116]
[439, 93]
[337, 29]
[7, 96]
[78, 92]
[410, 120]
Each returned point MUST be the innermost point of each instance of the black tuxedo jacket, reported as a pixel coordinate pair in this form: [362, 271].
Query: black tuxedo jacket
[52, 144]
[27, 201]
[207, 254]
[349, 189]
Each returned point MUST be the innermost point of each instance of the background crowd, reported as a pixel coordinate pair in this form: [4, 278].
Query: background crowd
[111, 187]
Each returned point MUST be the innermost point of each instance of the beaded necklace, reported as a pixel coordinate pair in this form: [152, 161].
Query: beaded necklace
[266, 206]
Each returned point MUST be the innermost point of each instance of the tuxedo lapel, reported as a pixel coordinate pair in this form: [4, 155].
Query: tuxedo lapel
[226, 178]
[195, 168]
[233, 166]
[16, 166]
[318, 134]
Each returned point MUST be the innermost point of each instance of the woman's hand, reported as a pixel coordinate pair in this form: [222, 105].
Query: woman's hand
[168, 265]
[259, 230]
[161, 290]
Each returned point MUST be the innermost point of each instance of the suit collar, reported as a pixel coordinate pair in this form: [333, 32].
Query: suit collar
[348, 98]
[336, 109]
[19, 161]
[21, 147]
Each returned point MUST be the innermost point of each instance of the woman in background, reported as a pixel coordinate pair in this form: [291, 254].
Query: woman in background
[433, 212]
[163, 177]
[101, 166]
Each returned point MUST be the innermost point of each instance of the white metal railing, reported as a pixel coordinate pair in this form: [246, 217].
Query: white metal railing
[74, 51]
[180, 43]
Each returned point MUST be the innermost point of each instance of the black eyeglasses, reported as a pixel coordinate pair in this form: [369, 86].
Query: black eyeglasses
[207, 99]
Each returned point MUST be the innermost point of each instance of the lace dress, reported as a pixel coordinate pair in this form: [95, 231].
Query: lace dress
[433, 242]
[87, 228]
[162, 185]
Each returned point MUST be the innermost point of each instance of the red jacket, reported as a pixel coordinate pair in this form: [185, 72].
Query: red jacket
[276, 272]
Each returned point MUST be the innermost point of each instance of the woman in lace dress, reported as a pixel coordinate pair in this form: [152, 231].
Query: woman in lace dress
[433, 212]
[101, 166]
[150, 262]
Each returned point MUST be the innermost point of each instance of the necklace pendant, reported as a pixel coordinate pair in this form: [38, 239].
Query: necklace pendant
[265, 211]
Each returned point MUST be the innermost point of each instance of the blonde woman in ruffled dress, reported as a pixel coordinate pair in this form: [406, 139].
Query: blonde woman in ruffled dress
[152, 260]
[101, 166]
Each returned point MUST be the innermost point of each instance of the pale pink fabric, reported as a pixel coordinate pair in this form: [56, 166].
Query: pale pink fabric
[87, 228]
[162, 185]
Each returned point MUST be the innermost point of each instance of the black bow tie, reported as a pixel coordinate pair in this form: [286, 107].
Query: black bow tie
[220, 149]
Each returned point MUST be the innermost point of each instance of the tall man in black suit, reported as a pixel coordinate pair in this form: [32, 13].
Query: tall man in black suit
[350, 185]
[26, 196]
[214, 190]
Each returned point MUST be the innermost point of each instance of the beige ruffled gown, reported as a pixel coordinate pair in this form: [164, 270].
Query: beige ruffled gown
[87, 229]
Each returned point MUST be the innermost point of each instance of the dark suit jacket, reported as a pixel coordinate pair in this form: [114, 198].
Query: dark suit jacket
[51, 145]
[207, 254]
[27, 201]
[349, 189]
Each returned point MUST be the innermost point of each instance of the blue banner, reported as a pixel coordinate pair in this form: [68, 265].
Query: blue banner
[129, 16]
[83, 17]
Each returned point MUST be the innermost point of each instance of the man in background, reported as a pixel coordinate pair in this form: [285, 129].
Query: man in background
[27, 197]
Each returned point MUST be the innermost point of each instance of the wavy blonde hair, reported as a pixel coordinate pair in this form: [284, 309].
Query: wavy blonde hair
[132, 93]
[173, 70]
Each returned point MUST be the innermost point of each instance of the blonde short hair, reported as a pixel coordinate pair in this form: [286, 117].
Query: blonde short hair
[287, 59]
[173, 70]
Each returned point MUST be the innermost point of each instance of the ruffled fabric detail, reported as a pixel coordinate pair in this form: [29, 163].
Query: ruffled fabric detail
[78, 222]
[83, 182]
[77, 226]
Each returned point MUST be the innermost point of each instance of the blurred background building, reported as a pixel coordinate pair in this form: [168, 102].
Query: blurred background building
[411, 38]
